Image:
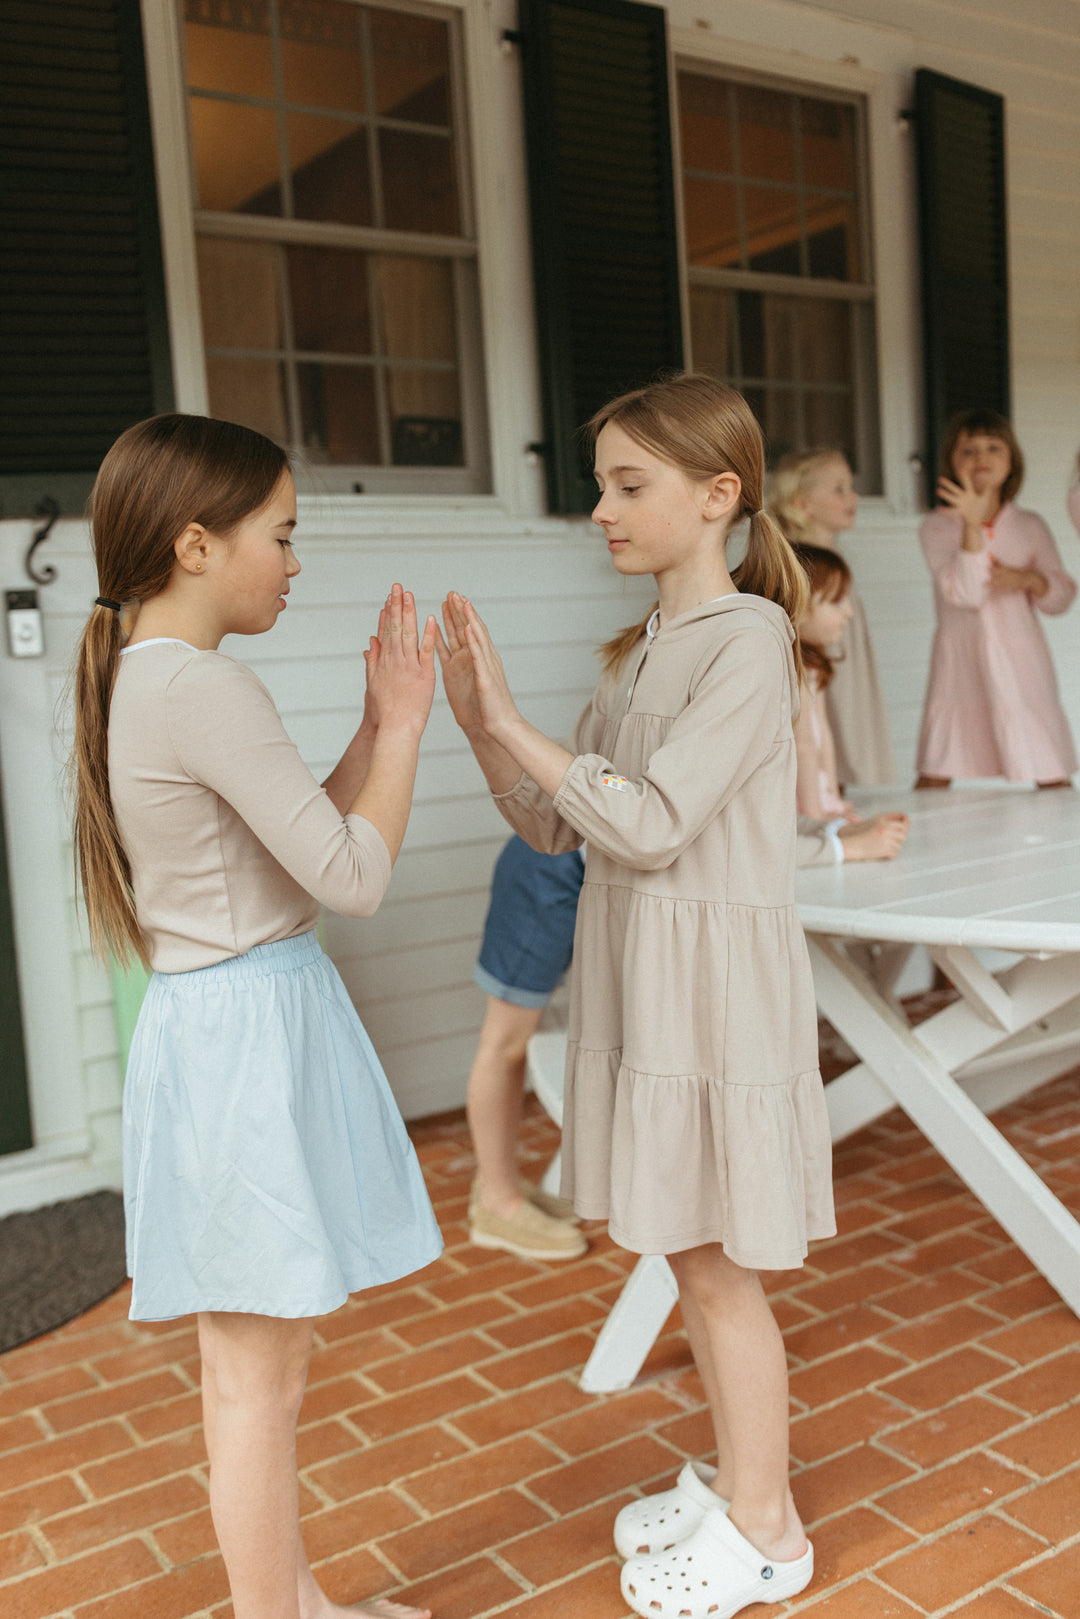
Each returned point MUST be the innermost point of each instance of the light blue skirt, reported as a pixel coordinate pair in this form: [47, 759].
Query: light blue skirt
[266, 1166]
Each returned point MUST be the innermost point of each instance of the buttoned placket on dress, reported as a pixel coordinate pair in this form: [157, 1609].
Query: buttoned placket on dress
[651, 630]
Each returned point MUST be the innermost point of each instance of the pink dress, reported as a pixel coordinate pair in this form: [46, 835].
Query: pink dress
[816, 790]
[992, 705]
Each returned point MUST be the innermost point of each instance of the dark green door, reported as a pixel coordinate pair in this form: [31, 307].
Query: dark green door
[15, 1133]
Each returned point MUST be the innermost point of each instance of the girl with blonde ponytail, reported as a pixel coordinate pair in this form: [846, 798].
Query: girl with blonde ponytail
[694, 1114]
[812, 497]
[267, 1173]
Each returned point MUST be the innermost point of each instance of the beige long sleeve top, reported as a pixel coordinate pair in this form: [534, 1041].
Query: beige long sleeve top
[694, 1110]
[814, 846]
[231, 840]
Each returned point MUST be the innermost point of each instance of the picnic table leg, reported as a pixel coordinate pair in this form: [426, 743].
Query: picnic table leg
[635, 1323]
[919, 1080]
[993, 1066]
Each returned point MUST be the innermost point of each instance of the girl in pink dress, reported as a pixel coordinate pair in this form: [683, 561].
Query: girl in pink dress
[992, 705]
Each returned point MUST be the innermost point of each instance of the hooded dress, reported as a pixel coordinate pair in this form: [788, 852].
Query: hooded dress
[992, 706]
[693, 1109]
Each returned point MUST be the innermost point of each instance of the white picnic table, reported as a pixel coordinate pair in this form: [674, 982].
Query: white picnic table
[982, 869]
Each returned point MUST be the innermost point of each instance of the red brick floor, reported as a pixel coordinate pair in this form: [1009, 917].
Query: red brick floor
[446, 1449]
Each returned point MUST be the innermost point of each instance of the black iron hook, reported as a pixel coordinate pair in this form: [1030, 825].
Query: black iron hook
[48, 508]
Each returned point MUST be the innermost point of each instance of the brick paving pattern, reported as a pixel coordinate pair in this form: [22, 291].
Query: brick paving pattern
[447, 1452]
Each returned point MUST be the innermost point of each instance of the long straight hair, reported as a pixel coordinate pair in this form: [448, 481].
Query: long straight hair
[703, 428]
[159, 476]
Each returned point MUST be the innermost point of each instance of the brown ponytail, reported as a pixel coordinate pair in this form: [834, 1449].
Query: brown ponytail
[703, 427]
[159, 476]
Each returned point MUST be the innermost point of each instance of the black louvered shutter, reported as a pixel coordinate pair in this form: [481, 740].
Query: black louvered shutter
[960, 140]
[601, 186]
[83, 334]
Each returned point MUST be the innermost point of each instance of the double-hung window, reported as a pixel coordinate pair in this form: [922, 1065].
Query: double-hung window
[335, 243]
[778, 265]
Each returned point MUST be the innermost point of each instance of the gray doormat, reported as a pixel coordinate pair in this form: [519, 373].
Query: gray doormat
[56, 1262]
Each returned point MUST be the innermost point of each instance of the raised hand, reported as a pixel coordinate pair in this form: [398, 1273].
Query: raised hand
[370, 721]
[966, 501]
[401, 672]
[498, 711]
[459, 679]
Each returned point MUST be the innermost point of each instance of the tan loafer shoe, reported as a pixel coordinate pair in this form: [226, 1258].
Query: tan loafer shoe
[528, 1232]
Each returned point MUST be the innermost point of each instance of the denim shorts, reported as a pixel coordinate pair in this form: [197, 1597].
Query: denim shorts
[529, 932]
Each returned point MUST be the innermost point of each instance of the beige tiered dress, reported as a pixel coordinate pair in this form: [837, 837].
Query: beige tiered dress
[694, 1111]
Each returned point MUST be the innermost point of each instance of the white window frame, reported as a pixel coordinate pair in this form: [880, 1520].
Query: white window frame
[507, 372]
[863, 291]
[889, 186]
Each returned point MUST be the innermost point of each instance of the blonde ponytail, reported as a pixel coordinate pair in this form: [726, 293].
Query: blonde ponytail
[159, 476]
[771, 568]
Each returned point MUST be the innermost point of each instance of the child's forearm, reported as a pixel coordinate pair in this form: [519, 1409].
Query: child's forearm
[501, 770]
[347, 777]
[973, 536]
[530, 750]
[385, 796]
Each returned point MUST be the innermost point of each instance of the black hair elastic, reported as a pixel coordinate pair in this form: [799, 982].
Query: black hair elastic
[103, 601]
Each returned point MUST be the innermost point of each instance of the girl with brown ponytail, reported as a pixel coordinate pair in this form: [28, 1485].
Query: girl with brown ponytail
[267, 1173]
[694, 1113]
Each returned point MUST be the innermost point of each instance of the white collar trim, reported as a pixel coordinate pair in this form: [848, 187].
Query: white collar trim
[158, 640]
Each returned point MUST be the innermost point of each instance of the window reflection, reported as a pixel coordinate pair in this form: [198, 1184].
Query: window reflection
[330, 170]
[766, 132]
[771, 210]
[787, 160]
[322, 55]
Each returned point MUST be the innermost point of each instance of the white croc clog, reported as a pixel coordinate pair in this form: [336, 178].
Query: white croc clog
[661, 1521]
[713, 1574]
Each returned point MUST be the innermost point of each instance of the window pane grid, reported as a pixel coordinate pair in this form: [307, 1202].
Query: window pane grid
[776, 259]
[332, 264]
[746, 151]
[385, 94]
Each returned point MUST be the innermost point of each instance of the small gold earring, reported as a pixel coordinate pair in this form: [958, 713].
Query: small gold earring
[198, 567]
